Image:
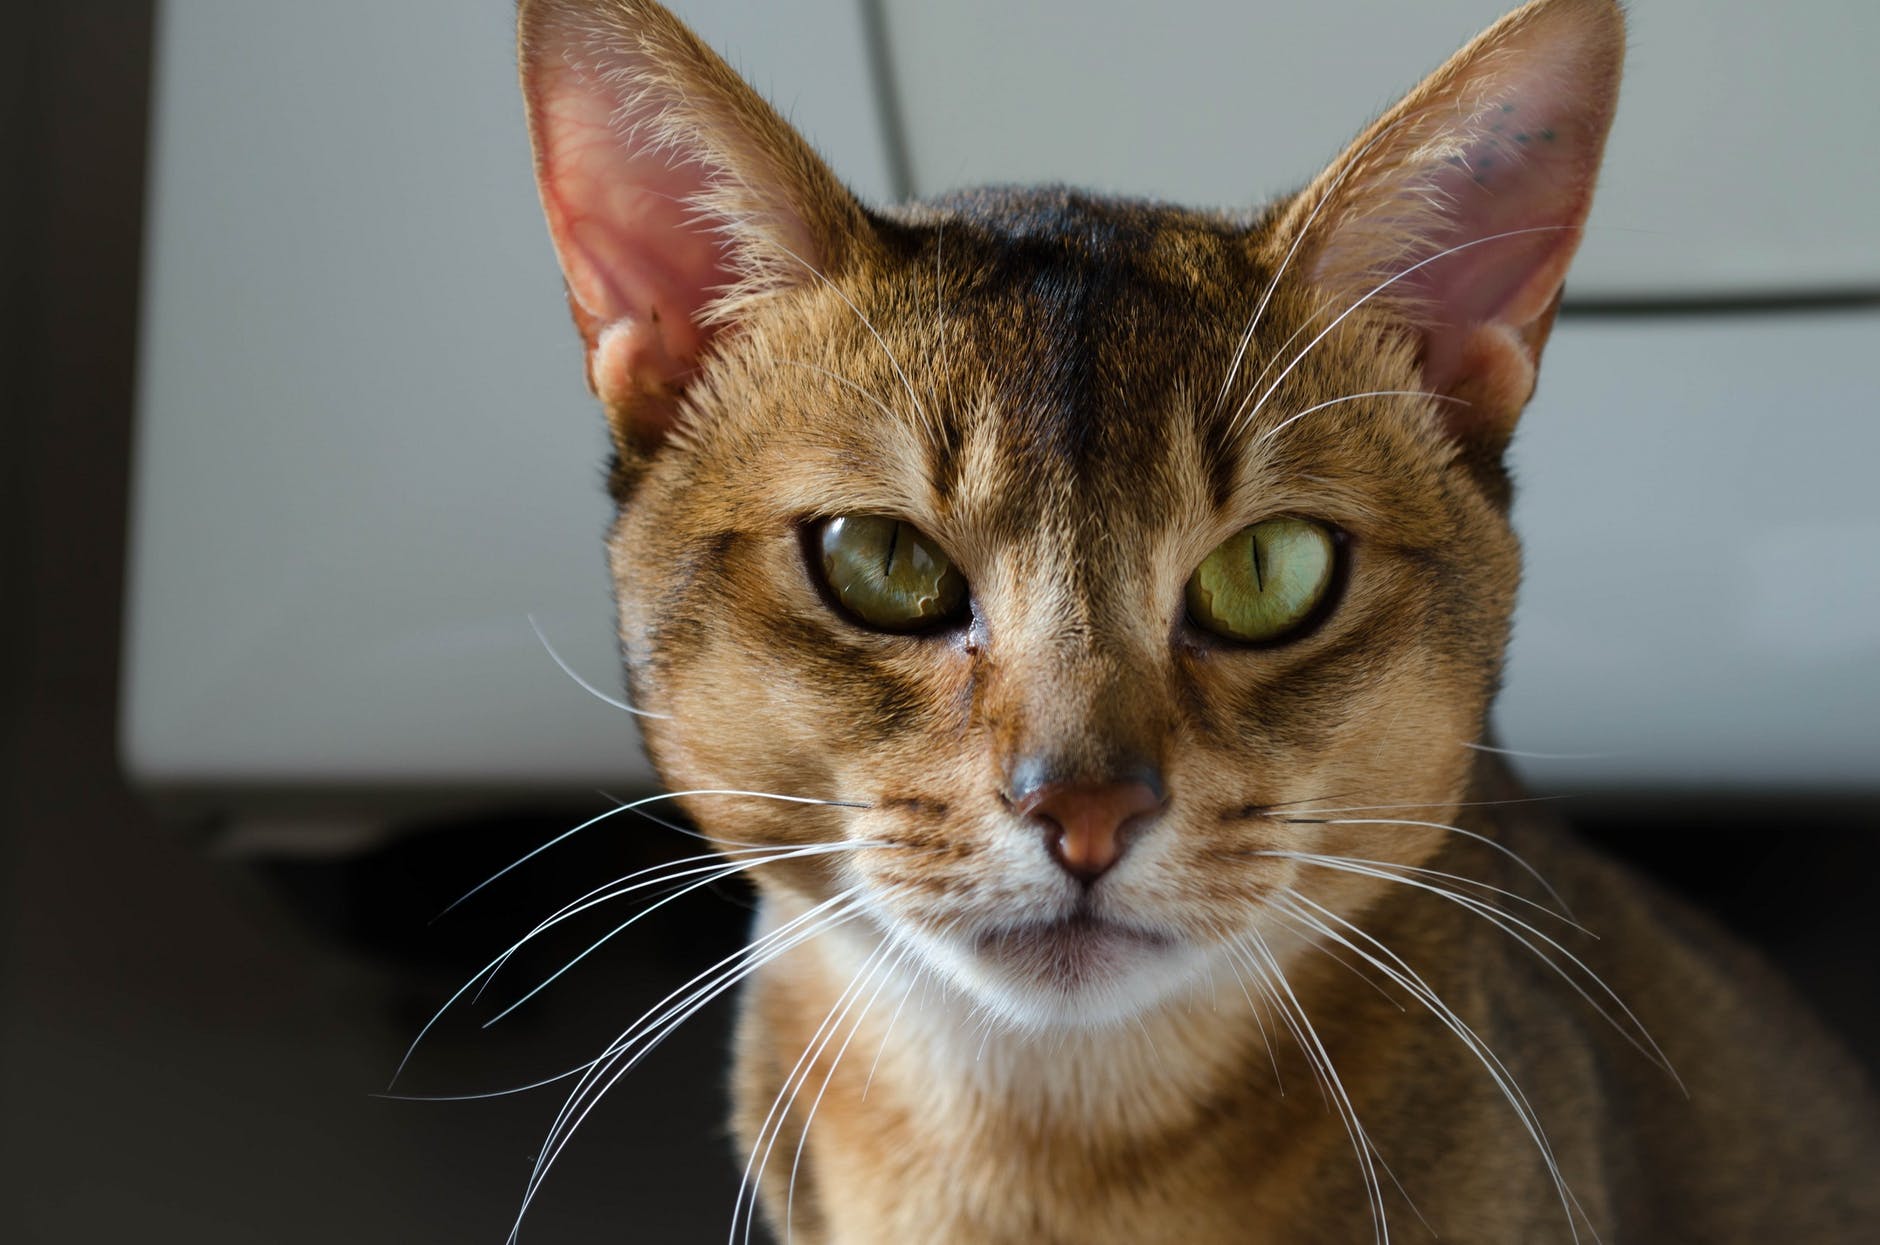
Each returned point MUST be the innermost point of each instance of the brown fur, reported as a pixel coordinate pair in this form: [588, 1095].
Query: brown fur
[1031, 378]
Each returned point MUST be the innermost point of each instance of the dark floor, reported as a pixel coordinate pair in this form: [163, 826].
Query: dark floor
[189, 1046]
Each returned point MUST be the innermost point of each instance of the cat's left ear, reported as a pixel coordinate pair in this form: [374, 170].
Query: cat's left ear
[1457, 213]
[677, 198]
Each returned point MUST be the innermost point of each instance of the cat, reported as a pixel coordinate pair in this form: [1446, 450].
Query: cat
[1076, 615]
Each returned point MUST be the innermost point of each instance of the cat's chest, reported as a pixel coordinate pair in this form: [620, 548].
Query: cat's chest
[889, 1191]
[923, 1162]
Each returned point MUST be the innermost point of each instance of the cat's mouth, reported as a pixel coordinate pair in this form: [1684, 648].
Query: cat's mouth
[1072, 949]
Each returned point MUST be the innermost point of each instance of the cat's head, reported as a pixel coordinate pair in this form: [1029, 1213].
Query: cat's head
[1088, 552]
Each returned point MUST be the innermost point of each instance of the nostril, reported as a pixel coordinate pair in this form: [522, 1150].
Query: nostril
[1087, 825]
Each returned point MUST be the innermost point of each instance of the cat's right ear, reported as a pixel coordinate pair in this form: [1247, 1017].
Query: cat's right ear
[1449, 224]
[677, 198]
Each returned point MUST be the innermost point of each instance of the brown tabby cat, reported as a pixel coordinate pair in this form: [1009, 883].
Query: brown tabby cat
[1122, 588]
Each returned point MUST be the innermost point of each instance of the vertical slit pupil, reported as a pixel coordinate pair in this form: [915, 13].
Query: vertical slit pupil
[894, 555]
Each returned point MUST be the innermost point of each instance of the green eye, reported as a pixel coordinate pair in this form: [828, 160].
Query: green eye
[1264, 581]
[889, 574]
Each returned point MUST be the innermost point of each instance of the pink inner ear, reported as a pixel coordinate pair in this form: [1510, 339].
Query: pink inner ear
[1517, 195]
[640, 266]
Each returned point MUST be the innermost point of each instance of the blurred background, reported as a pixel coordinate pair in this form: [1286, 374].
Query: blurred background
[295, 445]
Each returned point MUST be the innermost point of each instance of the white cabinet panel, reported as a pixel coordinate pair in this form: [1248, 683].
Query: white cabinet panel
[1743, 160]
[1702, 605]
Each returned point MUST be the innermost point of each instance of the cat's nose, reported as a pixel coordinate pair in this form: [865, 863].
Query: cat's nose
[1087, 825]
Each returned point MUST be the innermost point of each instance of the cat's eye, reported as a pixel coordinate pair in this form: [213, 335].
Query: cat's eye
[1264, 582]
[889, 574]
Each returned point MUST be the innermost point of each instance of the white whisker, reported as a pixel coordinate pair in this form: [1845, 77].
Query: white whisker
[1638, 1036]
[1299, 237]
[663, 823]
[1267, 969]
[711, 877]
[1475, 835]
[1380, 808]
[1395, 968]
[887, 972]
[845, 382]
[1423, 872]
[867, 324]
[586, 686]
[920, 975]
[1541, 756]
[749, 951]
[657, 1024]
[1247, 415]
[938, 366]
[668, 871]
[1332, 955]
[632, 805]
[1260, 1020]
[1296, 416]
[774, 1119]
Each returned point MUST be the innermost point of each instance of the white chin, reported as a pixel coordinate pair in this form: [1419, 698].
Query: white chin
[1072, 974]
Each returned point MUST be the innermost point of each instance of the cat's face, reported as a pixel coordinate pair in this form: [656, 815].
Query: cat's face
[1043, 403]
[1078, 785]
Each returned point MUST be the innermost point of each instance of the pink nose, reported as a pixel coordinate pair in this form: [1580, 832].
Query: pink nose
[1087, 824]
